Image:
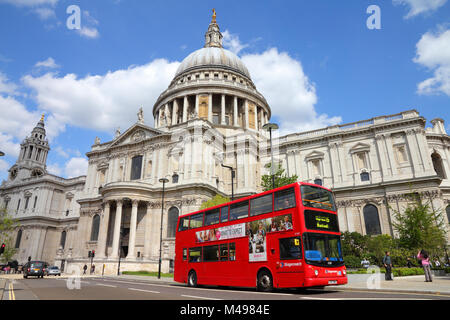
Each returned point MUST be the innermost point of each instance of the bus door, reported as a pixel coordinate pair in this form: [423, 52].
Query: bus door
[290, 265]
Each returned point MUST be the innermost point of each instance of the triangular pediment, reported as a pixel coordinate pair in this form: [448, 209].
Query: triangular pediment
[314, 155]
[136, 133]
[360, 147]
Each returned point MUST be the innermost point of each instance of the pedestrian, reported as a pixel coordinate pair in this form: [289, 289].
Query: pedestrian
[93, 269]
[388, 265]
[84, 269]
[365, 263]
[409, 263]
[422, 256]
[437, 263]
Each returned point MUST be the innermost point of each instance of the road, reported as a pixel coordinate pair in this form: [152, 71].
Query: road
[130, 289]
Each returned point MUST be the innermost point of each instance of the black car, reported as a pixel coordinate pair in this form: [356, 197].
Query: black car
[34, 268]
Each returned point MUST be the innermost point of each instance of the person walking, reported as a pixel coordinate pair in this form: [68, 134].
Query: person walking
[84, 269]
[388, 265]
[423, 257]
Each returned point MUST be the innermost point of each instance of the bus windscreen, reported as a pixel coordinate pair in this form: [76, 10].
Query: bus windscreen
[315, 197]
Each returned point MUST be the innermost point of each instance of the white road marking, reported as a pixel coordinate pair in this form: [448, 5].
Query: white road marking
[149, 291]
[197, 297]
[106, 285]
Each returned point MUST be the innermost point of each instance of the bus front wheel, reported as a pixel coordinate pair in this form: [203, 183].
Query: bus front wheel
[265, 281]
[192, 279]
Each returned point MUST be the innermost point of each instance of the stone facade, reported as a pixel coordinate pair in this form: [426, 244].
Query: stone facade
[212, 115]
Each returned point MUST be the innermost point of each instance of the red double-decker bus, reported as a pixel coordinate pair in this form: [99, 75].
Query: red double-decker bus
[283, 238]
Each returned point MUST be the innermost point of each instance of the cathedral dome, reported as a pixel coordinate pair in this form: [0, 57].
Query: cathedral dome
[216, 57]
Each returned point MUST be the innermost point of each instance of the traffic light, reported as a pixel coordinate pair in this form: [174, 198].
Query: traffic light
[93, 253]
[89, 254]
[2, 248]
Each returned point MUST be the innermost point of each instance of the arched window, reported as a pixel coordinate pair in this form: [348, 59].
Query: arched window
[136, 166]
[95, 227]
[172, 220]
[18, 239]
[448, 213]
[62, 242]
[437, 165]
[372, 220]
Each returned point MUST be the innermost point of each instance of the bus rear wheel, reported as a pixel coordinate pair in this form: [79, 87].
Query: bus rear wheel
[265, 281]
[192, 279]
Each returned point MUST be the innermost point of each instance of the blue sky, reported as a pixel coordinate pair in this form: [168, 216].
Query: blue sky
[316, 62]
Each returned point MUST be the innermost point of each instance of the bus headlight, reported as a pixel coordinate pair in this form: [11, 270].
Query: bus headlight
[344, 272]
[316, 272]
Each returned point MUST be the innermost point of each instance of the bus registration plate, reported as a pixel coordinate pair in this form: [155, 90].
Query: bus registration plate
[332, 282]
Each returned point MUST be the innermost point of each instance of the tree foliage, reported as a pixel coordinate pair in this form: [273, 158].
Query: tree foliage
[7, 227]
[420, 226]
[215, 201]
[281, 179]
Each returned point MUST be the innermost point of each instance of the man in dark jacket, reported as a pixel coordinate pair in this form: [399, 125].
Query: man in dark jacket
[388, 265]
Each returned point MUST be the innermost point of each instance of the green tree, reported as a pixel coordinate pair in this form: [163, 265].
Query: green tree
[281, 179]
[7, 227]
[215, 201]
[420, 226]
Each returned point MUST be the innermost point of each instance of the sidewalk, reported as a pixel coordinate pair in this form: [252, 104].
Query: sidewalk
[410, 284]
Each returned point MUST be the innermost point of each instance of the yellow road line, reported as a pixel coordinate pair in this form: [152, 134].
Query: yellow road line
[12, 296]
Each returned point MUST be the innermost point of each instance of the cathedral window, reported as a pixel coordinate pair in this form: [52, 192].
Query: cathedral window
[447, 210]
[437, 165]
[62, 241]
[136, 167]
[371, 220]
[95, 227]
[18, 239]
[400, 153]
[172, 219]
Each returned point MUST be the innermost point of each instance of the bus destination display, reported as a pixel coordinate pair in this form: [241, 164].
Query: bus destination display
[315, 220]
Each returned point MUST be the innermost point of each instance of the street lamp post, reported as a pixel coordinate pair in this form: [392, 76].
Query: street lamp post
[232, 180]
[164, 181]
[269, 127]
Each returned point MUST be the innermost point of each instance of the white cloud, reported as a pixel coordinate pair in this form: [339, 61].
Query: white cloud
[289, 92]
[417, 7]
[30, 3]
[87, 32]
[45, 13]
[101, 102]
[433, 52]
[6, 86]
[75, 167]
[232, 42]
[49, 63]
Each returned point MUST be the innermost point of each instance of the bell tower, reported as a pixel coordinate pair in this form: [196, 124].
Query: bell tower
[213, 37]
[33, 154]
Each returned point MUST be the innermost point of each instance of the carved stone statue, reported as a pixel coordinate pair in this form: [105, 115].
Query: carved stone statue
[117, 132]
[140, 115]
[97, 140]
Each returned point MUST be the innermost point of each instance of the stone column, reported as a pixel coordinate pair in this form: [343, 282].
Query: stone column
[117, 225]
[175, 112]
[166, 113]
[196, 105]
[133, 223]
[235, 112]
[222, 112]
[210, 115]
[103, 231]
[246, 113]
[185, 108]
[147, 236]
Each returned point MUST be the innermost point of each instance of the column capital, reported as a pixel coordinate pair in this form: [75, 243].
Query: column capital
[134, 202]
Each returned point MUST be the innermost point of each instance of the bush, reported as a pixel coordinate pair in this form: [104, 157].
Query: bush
[403, 272]
[352, 261]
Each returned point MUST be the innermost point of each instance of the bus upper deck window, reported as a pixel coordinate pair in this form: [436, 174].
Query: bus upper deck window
[285, 199]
